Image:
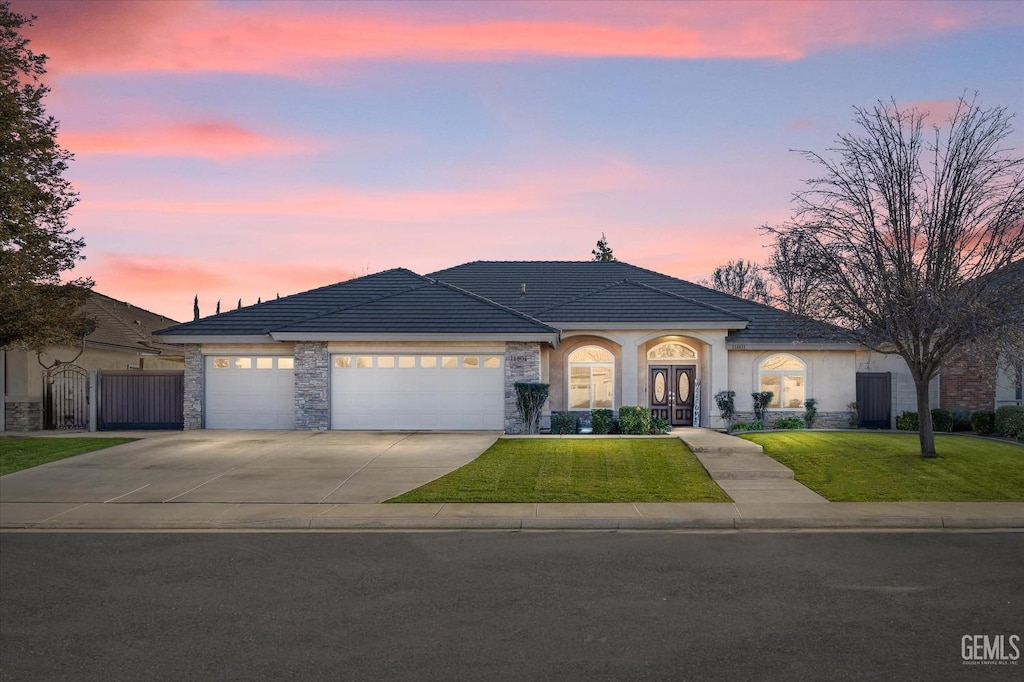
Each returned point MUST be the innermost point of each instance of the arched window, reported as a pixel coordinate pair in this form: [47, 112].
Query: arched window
[591, 378]
[672, 350]
[786, 377]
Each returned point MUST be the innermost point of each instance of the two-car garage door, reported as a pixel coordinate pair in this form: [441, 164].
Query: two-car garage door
[456, 391]
[379, 391]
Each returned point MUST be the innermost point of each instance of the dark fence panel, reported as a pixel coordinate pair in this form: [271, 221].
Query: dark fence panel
[141, 399]
[874, 399]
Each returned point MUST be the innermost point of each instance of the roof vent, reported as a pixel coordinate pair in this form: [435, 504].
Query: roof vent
[522, 289]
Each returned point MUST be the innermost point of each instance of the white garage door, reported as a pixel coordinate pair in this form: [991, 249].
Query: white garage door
[250, 392]
[456, 391]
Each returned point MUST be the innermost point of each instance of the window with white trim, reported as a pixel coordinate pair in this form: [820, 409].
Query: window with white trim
[786, 377]
[591, 378]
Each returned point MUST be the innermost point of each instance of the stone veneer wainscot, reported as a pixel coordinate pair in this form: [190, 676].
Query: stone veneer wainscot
[312, 374]
[522, 363]
[194, 377]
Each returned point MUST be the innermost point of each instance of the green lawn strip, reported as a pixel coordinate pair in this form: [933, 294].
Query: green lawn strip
[25, 453]
[887, 467]
[576, 470]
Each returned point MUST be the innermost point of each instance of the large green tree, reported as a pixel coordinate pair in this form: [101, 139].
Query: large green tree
[37, 308]
[911, 239]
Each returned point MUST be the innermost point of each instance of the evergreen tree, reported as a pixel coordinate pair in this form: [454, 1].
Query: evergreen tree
[603, 252]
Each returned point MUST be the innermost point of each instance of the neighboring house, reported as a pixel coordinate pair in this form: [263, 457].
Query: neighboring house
[397, 350]
[122, 339]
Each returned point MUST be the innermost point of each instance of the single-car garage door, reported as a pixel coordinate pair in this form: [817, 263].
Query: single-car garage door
[250, 392]
[456, 391]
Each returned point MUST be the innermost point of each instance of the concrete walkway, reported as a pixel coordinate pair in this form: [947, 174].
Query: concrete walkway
[743, 471]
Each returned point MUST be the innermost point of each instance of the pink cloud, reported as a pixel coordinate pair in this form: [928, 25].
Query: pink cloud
[291, 39]
[213, 139]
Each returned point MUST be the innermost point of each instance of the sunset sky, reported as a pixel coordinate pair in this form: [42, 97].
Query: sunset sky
[244, 149]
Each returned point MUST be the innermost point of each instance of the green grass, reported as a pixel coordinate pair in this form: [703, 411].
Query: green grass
[576, 470]
[25, 453]
[887, 467]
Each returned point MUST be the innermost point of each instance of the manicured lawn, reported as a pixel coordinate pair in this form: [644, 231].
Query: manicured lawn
[24, 453]
[576, 470]
[887, 467]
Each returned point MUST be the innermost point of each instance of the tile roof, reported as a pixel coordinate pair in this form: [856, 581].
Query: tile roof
[122, 325]
[631, 301]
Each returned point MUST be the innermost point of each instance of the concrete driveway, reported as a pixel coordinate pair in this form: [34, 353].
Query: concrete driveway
[287, 467]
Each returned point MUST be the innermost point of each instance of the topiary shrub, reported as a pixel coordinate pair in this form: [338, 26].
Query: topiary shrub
[810, 412]
[530, 398]
[854, 420]
[942, 420]
[761, 402]
[1009, 422]
[726, 401]
[660, 426]
[635, 421]
[601, 422]
[984, 422]
[907, 422]
[564, 423]
[788, 423]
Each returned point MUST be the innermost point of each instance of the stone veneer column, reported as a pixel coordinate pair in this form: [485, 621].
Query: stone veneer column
[312, 375]
[194, 389]
[522, 363]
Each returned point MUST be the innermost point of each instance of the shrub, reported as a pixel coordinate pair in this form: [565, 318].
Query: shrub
[616, 428]
[530, 398]
[659, 425]
[761, 402]
[962, 420]
[984, 422]
[854, 421]
[748, 426]
[601, 421]
[810, 412]
[1009, 421]
[563, 423]
[907, 422]
[942, 420]
[788, 423]
[726, 401]
[635, 421]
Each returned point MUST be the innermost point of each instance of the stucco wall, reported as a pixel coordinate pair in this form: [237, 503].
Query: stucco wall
[904, 394]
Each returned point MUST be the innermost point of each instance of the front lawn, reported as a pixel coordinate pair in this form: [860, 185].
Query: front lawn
[24, 453]
[576, 470]
[887, 467]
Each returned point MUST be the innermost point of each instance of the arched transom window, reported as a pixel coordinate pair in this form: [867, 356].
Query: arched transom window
[591, 378]
[786, 377]
[672, 350]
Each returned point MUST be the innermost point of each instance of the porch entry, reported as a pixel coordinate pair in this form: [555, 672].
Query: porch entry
[670, 390]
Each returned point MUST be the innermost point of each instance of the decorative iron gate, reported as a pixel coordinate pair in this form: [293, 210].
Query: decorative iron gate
[66, 404]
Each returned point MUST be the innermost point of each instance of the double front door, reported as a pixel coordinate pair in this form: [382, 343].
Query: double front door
[670, 390]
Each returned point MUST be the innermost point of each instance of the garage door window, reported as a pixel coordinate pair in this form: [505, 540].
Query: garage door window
[364, 362]
[407, 362]
[220, 363]
[428, 362]
[342, 362]
[243, 363]
[492, 362]
[286, 363]
[449, 362]
[471, 362]
[264, 363]
[386, 362]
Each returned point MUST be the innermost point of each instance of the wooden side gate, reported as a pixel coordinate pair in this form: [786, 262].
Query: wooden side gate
[140, 399]
[874, 400]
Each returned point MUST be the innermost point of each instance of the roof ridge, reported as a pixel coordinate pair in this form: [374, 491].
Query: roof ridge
[591, 292]
[494, 304]
[684, 297]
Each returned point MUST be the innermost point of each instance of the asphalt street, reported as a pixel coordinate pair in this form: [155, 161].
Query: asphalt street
[502, 605]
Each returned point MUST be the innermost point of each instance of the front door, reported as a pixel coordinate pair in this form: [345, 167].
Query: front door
[670, 391]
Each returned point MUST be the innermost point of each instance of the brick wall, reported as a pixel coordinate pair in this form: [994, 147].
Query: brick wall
[965, 386]
[312, 375]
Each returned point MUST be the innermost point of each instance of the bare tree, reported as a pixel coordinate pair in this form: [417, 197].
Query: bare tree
[792, 286]
[740, 278]
[906, 234]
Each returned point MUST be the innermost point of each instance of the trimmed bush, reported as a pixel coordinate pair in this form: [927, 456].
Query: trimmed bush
[726, 407]
[530, 398]
[788, 423]
[562, 424]
[601, 422]
[748, 426]
[1009, 422]
[761, 402]
[984, 422]
[810, 412]
[635, 421]
[659, 426]
[854, 421]
[907, 422]
[942, 420]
